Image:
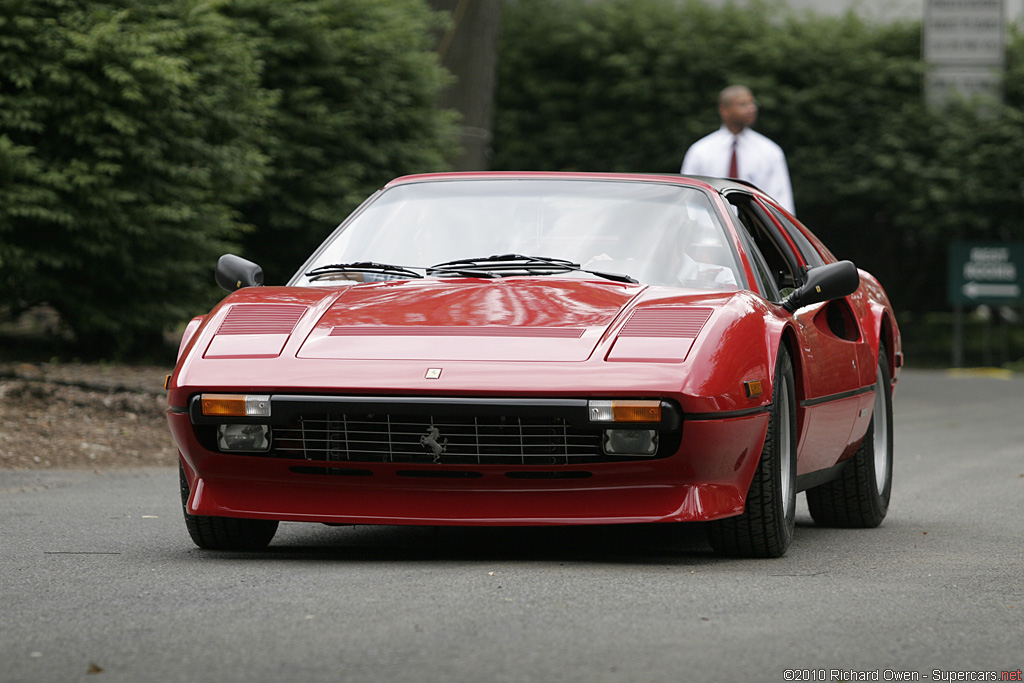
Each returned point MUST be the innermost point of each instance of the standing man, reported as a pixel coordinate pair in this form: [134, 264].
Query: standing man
[737, 151]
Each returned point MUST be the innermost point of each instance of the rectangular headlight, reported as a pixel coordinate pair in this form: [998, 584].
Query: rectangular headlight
[625, 411]
[244, 438]
[236, 405]
[630, 442]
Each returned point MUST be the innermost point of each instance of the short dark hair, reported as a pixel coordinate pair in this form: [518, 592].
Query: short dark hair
[730, 93]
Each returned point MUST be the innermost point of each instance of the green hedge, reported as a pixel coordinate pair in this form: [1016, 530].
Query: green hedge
[357, 81]
[628, 85]
[140, 139]
[126, 132]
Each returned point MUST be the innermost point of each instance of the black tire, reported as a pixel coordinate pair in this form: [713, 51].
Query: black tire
[860, 497]
[224, 533]
[765, 529]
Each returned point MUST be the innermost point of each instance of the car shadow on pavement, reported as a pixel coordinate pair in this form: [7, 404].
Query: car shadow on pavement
[630, 544]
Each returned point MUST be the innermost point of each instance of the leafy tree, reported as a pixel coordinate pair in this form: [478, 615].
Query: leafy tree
[127, 130]
[628, 85]
[838, 92]
[357, 81]
[619, 85]
[140, 139]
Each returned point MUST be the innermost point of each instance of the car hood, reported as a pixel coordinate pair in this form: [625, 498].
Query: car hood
[521, 335]
[505, 319]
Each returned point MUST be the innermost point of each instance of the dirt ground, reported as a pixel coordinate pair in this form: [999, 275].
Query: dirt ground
[83, 416]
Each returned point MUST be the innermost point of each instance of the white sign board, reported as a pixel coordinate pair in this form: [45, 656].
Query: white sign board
[963, 32]
[943, 81]
[963, 44]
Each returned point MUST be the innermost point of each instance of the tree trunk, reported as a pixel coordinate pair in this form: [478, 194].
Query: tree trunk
[469, 50]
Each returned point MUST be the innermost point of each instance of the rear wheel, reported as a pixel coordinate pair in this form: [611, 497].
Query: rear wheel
[765, 528]
[860, 497]
[224, 533]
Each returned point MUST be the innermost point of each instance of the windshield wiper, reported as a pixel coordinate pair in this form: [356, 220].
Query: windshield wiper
[362, 267]
[500, 265]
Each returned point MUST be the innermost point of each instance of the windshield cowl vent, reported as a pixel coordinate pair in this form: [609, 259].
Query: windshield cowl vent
[456, 331]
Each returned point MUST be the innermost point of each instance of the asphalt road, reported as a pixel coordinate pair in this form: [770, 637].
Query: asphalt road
[99, 582]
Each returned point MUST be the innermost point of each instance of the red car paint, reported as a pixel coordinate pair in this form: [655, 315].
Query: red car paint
[534, 337]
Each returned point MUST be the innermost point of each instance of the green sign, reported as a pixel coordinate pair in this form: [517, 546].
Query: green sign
[986, 272]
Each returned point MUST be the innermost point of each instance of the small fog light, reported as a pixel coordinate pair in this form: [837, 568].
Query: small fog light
[630, 441]
[250, 438]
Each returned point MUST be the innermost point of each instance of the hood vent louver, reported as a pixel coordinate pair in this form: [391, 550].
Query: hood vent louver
[659, 334]
[261, 319]
[675, 323]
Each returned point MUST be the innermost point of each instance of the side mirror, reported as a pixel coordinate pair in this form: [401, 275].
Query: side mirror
[234, 272]
[825, 283]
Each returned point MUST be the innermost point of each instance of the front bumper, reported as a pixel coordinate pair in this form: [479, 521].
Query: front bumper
[706, 476]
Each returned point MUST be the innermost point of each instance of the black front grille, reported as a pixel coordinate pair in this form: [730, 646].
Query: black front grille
[523, 432]
[385, 437]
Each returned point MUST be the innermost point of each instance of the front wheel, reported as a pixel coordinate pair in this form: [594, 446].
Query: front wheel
[765, 528]
[860, 497]
[224, 533]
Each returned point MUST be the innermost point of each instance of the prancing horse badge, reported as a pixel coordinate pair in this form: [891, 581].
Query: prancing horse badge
[432, 441]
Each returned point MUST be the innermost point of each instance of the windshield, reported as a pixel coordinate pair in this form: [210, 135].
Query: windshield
[659, 234]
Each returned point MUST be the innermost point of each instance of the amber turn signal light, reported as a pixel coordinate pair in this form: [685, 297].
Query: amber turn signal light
[625, 411]
[235, 405]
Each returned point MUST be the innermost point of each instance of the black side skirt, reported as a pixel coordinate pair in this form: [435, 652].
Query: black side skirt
[812, 479]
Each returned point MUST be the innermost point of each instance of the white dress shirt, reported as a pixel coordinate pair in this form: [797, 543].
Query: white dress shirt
[759, 161]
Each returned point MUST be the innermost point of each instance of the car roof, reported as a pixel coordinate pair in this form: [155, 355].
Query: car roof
[553, 175]
[726, 184]
[719, 185]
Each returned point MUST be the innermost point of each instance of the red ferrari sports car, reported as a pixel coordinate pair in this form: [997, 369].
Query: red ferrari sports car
[540, 349]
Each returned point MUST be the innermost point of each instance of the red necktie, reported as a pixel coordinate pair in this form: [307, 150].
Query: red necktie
[734, 171]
